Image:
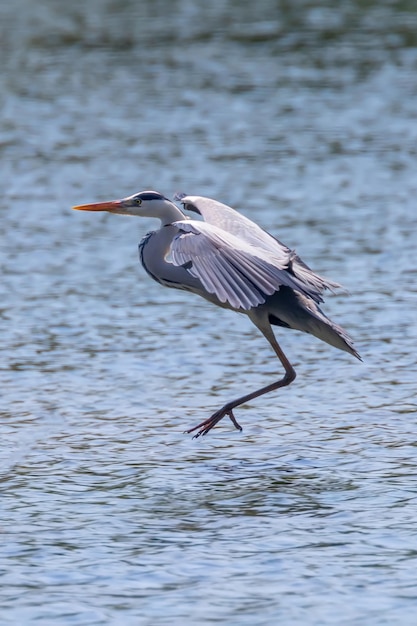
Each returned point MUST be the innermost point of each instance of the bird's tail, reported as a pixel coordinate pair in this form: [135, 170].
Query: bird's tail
[294, 310]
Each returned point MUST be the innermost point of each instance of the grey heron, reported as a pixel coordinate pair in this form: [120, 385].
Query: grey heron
[232, 262]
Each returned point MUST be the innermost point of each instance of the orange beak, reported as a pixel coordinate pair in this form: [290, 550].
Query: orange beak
[111, 206]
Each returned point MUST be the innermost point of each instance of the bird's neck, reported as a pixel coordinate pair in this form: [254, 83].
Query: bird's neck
[154, 255]
[170, 213]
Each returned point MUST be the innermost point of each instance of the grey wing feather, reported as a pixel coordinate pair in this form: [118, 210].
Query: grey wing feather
[228, 219]
[231, 221]
[302, 271]
[235, 271]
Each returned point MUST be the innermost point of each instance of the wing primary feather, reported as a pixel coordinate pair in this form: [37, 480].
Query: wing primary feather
[259, 275]
[233, 283]
[237, 271]
[249, 294]
[299, 275]
[212, 277]
[218, 275]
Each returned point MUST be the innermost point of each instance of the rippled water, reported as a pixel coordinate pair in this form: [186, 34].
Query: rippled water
[303, 115]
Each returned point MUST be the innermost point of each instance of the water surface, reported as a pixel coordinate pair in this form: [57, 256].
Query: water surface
[303, 116]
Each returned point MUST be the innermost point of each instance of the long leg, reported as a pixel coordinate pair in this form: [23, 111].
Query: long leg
[264, 326]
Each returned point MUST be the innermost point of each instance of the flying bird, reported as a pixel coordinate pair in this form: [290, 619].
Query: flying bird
[232, 262]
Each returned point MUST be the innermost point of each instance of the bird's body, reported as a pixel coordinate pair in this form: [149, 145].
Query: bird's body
[230, 261]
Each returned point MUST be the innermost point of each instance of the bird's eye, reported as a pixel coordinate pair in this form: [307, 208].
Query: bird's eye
[137, 201]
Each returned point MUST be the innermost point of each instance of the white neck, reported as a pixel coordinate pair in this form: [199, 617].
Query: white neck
[170, 213]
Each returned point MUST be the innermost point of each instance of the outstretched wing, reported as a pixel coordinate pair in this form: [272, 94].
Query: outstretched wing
[235, 271]
[231, 221]
[235, 223]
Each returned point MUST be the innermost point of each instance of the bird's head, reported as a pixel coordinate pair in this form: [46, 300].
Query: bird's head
[142, 204]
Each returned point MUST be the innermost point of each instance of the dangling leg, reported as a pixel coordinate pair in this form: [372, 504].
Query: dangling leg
[264, 326]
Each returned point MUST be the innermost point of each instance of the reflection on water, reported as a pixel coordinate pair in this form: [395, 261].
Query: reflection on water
[303, 115]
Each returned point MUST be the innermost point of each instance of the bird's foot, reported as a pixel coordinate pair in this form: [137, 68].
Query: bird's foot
[208, 424]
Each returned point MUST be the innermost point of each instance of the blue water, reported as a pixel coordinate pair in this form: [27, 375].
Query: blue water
[304, 118]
